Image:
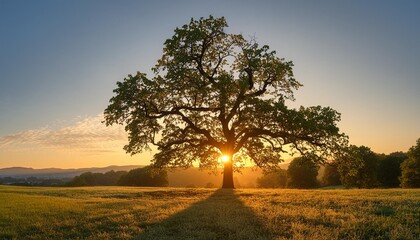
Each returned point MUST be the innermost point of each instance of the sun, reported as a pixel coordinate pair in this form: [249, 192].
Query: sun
[224, 158]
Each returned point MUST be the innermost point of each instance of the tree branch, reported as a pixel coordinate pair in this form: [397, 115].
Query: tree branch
[192, 142]
[257, 132]
[261, 91]
[272, 144]
[204, 132]
[199, 61]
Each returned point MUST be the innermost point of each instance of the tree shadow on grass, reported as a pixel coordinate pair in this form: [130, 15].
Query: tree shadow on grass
[220, 216]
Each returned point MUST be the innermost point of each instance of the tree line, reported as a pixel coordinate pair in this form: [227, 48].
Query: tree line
[146, 177]
[32, 181]
[356, 167]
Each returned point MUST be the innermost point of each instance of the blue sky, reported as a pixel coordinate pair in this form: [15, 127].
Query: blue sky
[60, 60]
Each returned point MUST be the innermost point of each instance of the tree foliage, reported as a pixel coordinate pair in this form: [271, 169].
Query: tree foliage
[97, 179]
[273, 179]
[358, 167]
[302, 173]
[214, 92]
[146, 177]
[331, 176]
[389, 170]
[410, 177]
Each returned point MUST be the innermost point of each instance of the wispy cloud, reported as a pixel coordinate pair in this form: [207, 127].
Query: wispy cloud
[87, 135]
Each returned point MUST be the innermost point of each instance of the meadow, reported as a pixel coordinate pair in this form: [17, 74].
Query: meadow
[182, 213]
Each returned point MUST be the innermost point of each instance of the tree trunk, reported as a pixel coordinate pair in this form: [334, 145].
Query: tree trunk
[228, 174]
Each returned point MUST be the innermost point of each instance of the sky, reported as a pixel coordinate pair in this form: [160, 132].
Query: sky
[60, 61]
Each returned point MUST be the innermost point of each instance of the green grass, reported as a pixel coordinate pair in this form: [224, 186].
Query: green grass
[179, 213]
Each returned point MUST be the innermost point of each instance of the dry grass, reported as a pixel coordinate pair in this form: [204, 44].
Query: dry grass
[337, 214]
[179, 213]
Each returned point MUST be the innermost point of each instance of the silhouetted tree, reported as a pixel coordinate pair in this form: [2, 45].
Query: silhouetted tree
[146, 177]
[357, 167]
[410, 177]
[331, 176]
[389, 170]
[217, 93]
[302, 173]
[273, 179]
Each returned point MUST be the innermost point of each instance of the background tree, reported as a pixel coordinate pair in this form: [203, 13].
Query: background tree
[410, 177]
[273, 179]
[146, 177]
[214, 93]
[84, 179]
[357, 167]
[331, 176]
[302, 173]
[110, 178]
[389, 170]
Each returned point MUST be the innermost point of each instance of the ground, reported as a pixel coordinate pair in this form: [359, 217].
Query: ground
[181, 213]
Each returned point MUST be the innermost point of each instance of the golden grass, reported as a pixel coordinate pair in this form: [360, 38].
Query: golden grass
[179, 213]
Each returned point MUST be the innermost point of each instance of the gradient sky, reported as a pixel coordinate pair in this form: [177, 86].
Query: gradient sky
[60, 60]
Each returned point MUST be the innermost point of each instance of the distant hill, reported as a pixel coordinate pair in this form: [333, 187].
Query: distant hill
[22, 172]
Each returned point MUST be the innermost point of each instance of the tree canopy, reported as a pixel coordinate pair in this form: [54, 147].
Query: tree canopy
[273, 179]
[410, 177]
[358, 167]
[331, 176]
[96, 179]
[215, 93]
[389, 170]
[302, 173]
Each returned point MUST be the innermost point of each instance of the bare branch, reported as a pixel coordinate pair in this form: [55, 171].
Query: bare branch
[257, 132]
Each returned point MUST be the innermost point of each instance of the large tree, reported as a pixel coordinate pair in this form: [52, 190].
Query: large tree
[214, 93]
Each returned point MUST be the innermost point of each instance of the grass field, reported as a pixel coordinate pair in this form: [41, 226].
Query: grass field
[179, 213]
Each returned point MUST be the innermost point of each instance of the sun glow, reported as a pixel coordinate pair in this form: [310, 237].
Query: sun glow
[224, 158]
